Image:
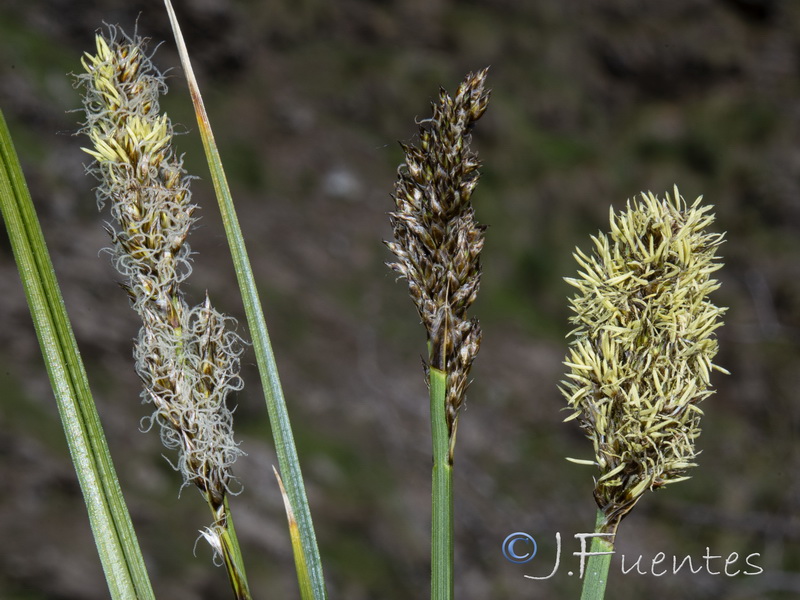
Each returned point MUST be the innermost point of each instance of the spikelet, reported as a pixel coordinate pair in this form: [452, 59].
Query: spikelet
[641, 352]
[187, 358]
[437, 241]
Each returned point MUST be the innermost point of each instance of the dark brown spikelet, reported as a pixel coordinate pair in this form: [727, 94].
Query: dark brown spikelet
[437, 241]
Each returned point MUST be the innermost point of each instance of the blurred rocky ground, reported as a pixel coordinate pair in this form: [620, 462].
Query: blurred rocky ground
[592, 103]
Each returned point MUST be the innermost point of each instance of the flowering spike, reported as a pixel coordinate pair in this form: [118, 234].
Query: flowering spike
[438, 241]
[642, 346]
[187, 358]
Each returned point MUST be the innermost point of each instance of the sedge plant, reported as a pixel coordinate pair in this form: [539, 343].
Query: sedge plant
[437, 246]
[641, 354]
[639, 362]
[187, 358]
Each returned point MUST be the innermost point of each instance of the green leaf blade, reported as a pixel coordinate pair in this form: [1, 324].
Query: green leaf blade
[115, 538]
[276, 405]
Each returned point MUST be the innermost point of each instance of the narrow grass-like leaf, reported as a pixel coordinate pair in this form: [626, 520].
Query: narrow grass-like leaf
[111, 525]
[276, 405]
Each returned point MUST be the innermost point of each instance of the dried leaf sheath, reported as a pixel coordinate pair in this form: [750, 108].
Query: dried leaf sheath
[640, 359]
[437, 241]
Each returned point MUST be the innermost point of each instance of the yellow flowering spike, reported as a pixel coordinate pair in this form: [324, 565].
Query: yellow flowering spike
[642, 348]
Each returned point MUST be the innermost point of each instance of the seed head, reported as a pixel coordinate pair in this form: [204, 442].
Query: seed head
[437, 241]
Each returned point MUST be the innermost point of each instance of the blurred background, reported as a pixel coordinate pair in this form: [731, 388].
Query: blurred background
[592, 103]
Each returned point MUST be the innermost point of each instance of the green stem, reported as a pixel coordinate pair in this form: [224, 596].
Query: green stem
[238, 579]
[232, 555]
[229, 549]
[601, 550]
[442, 495]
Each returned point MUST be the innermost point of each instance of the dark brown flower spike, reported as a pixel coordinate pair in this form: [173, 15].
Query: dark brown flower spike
[437, 241]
